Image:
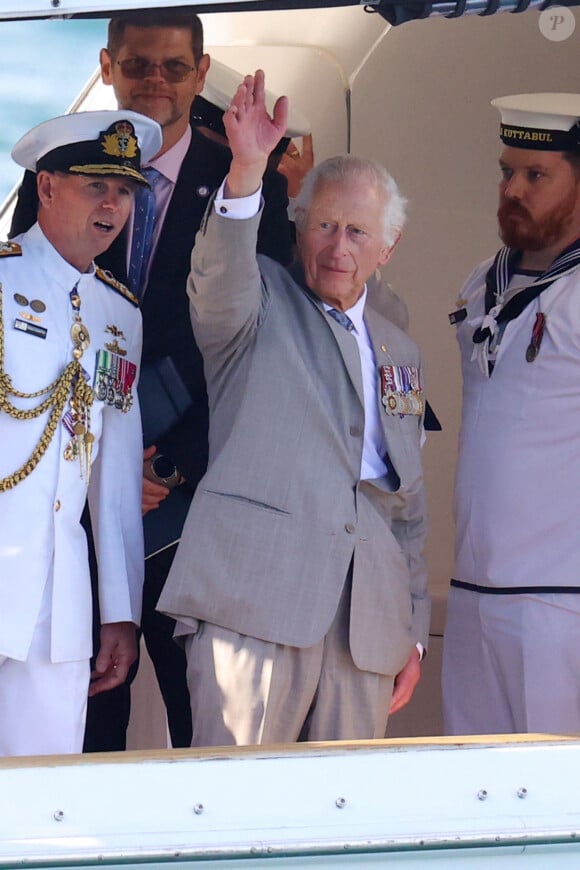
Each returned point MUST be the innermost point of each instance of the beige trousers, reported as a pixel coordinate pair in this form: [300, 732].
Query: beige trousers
[246, 691]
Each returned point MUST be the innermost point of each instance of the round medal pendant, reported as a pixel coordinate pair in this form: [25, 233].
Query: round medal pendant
[414, 403]
[80, 335]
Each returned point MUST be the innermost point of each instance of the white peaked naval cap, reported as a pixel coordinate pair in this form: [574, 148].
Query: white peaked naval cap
[91, 143]
[221, 84]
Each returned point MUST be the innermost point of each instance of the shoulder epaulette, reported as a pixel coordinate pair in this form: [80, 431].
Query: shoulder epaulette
[10, 249]
[108, 278]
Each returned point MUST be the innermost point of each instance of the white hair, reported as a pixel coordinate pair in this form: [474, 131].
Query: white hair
[345, 168]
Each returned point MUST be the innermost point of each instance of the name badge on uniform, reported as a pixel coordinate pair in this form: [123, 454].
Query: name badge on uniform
[402, 390]
[30, 328]
[114, 378]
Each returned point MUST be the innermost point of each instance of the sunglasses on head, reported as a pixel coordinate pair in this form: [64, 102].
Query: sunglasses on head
[141, 68]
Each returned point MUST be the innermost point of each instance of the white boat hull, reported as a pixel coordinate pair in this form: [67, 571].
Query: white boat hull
[399, 805]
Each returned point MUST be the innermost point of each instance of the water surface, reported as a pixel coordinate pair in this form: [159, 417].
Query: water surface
[43, 66]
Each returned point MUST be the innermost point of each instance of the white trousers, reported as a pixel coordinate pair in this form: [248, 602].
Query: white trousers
[42, 704]
[246, 691]
[511, 663]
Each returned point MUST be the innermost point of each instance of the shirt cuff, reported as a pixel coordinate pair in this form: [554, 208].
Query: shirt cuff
[421, 650]
[240, 208]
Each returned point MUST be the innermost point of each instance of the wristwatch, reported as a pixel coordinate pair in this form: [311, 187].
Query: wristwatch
[161, 469]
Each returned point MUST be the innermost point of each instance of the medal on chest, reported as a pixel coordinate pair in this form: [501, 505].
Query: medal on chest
[402, 390]
[114, 379]
[533, 347]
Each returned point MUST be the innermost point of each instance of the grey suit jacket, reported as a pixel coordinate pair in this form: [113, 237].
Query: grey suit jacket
[281, 512]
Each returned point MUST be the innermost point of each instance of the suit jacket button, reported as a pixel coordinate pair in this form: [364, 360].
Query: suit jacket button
[355, 431]
[351, 528]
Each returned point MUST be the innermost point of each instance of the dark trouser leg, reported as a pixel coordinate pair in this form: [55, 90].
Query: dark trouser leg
[168, 658]
[108, 718]
[107, 713]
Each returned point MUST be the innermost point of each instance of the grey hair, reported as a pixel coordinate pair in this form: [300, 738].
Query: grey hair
[344, 168]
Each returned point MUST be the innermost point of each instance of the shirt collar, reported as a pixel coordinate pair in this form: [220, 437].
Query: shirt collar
[169, 163]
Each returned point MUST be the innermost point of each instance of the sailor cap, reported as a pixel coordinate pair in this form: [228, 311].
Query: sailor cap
[543, 122]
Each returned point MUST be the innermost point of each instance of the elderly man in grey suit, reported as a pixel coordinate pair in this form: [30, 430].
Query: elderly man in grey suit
[299, 584]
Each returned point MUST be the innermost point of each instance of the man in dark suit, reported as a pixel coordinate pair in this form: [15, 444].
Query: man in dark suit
[156, 65]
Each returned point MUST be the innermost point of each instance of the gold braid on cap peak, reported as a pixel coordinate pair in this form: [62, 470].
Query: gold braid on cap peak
[71, 381]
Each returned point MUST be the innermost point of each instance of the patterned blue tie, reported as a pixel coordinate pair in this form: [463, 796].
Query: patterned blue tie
[143, 226]
[342, 318]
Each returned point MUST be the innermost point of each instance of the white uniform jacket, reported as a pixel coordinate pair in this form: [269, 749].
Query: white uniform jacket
[40, 533]
[518, 477]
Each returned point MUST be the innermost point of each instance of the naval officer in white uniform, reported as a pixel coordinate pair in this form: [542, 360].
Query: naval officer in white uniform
[70, 343]
[511, 655]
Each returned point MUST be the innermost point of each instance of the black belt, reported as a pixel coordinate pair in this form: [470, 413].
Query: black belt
[513, 590]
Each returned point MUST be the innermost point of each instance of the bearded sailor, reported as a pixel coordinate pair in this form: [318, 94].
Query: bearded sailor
[511, 654]
[70, 344]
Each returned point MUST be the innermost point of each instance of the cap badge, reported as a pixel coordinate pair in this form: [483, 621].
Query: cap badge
[122, 142]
